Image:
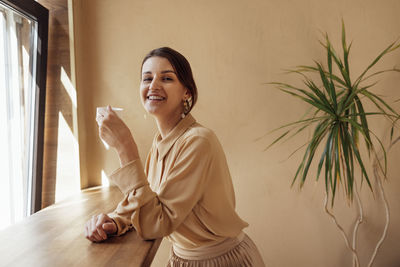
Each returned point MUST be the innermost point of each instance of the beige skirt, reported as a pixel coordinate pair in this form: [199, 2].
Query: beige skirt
[239, 251]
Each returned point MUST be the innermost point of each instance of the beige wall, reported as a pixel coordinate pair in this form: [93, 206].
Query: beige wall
[234, 47]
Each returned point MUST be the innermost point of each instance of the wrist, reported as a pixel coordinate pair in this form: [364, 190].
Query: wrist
[127, 152]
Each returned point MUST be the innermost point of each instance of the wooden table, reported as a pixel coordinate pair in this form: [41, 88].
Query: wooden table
[54, 236]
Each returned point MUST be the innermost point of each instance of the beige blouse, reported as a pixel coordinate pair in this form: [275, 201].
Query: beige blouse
[188, 193]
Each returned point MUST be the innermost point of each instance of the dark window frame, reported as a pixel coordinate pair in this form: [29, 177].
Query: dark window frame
[40, 14]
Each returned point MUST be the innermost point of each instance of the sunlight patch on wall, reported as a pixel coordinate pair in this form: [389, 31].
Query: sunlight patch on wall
[69, 88]
[68, 178]
[104, 179]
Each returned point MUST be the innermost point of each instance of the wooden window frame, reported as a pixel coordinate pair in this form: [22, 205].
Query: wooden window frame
[40, 14]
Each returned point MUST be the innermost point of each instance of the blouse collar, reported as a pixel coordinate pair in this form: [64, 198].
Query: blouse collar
[164, 144]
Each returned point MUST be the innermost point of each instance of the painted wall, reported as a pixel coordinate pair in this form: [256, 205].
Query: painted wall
[234, 48]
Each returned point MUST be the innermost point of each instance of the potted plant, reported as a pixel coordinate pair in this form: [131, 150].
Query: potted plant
[339, 122]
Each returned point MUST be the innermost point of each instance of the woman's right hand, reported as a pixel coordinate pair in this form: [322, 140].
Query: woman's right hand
[99, 227]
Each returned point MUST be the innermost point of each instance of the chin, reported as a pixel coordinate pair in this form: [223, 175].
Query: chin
[152, 111]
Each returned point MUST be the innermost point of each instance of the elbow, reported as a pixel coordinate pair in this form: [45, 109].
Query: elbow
[153, 222]
[154, 231]
[151, 235]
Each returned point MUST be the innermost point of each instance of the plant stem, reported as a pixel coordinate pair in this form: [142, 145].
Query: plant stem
[383, 196]
[346, 240]
[384, 234]
[359, 220]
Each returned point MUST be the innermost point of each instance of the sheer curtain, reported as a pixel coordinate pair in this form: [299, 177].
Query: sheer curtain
[18, 39]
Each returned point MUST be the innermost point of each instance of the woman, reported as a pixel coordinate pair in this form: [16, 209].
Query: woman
[184, 192]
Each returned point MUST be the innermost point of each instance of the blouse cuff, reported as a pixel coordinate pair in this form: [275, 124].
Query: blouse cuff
[122, 226]
[129, 177]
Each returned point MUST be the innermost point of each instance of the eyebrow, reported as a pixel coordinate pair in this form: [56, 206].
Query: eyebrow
[164, 71]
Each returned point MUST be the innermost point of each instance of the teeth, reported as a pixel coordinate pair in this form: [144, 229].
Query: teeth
[155, 97]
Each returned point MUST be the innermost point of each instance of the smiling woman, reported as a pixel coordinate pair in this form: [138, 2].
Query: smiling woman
[185, 190]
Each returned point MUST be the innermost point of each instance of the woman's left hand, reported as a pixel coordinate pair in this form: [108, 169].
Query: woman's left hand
[99, 228]
[117, 135]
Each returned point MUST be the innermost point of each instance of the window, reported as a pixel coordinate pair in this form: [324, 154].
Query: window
[23, 55]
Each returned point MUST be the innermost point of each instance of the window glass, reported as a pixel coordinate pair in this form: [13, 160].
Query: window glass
[18, 39]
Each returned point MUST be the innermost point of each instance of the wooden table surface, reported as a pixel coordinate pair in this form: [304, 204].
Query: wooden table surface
[54, 236]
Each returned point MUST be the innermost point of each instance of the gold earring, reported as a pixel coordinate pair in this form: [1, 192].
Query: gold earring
[186, 108]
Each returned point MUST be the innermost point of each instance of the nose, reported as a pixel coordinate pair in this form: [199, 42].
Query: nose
[155, 84]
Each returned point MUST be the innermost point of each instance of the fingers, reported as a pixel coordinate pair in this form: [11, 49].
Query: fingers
[94, 228]
[111, 128]
[106, 115]
[99, 119]
[99, 226]
[94, 233]
[104, 131]
[110, 228]
[103, 113]
[108, 225]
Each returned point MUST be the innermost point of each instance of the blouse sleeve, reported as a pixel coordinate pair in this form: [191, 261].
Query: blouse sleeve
[157, 215]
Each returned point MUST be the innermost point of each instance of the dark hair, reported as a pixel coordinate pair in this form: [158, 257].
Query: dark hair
[181, 67]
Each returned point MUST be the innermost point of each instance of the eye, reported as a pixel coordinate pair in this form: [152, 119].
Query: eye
[167, 79]
[146, 79]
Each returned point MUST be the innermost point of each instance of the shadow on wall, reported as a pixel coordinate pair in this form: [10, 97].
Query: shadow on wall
[61, 151]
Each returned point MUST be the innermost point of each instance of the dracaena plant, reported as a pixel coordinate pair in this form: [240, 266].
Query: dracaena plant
[339, 119]
[339, 122]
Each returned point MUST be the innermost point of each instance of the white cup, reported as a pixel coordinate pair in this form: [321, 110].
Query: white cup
[103, 111]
